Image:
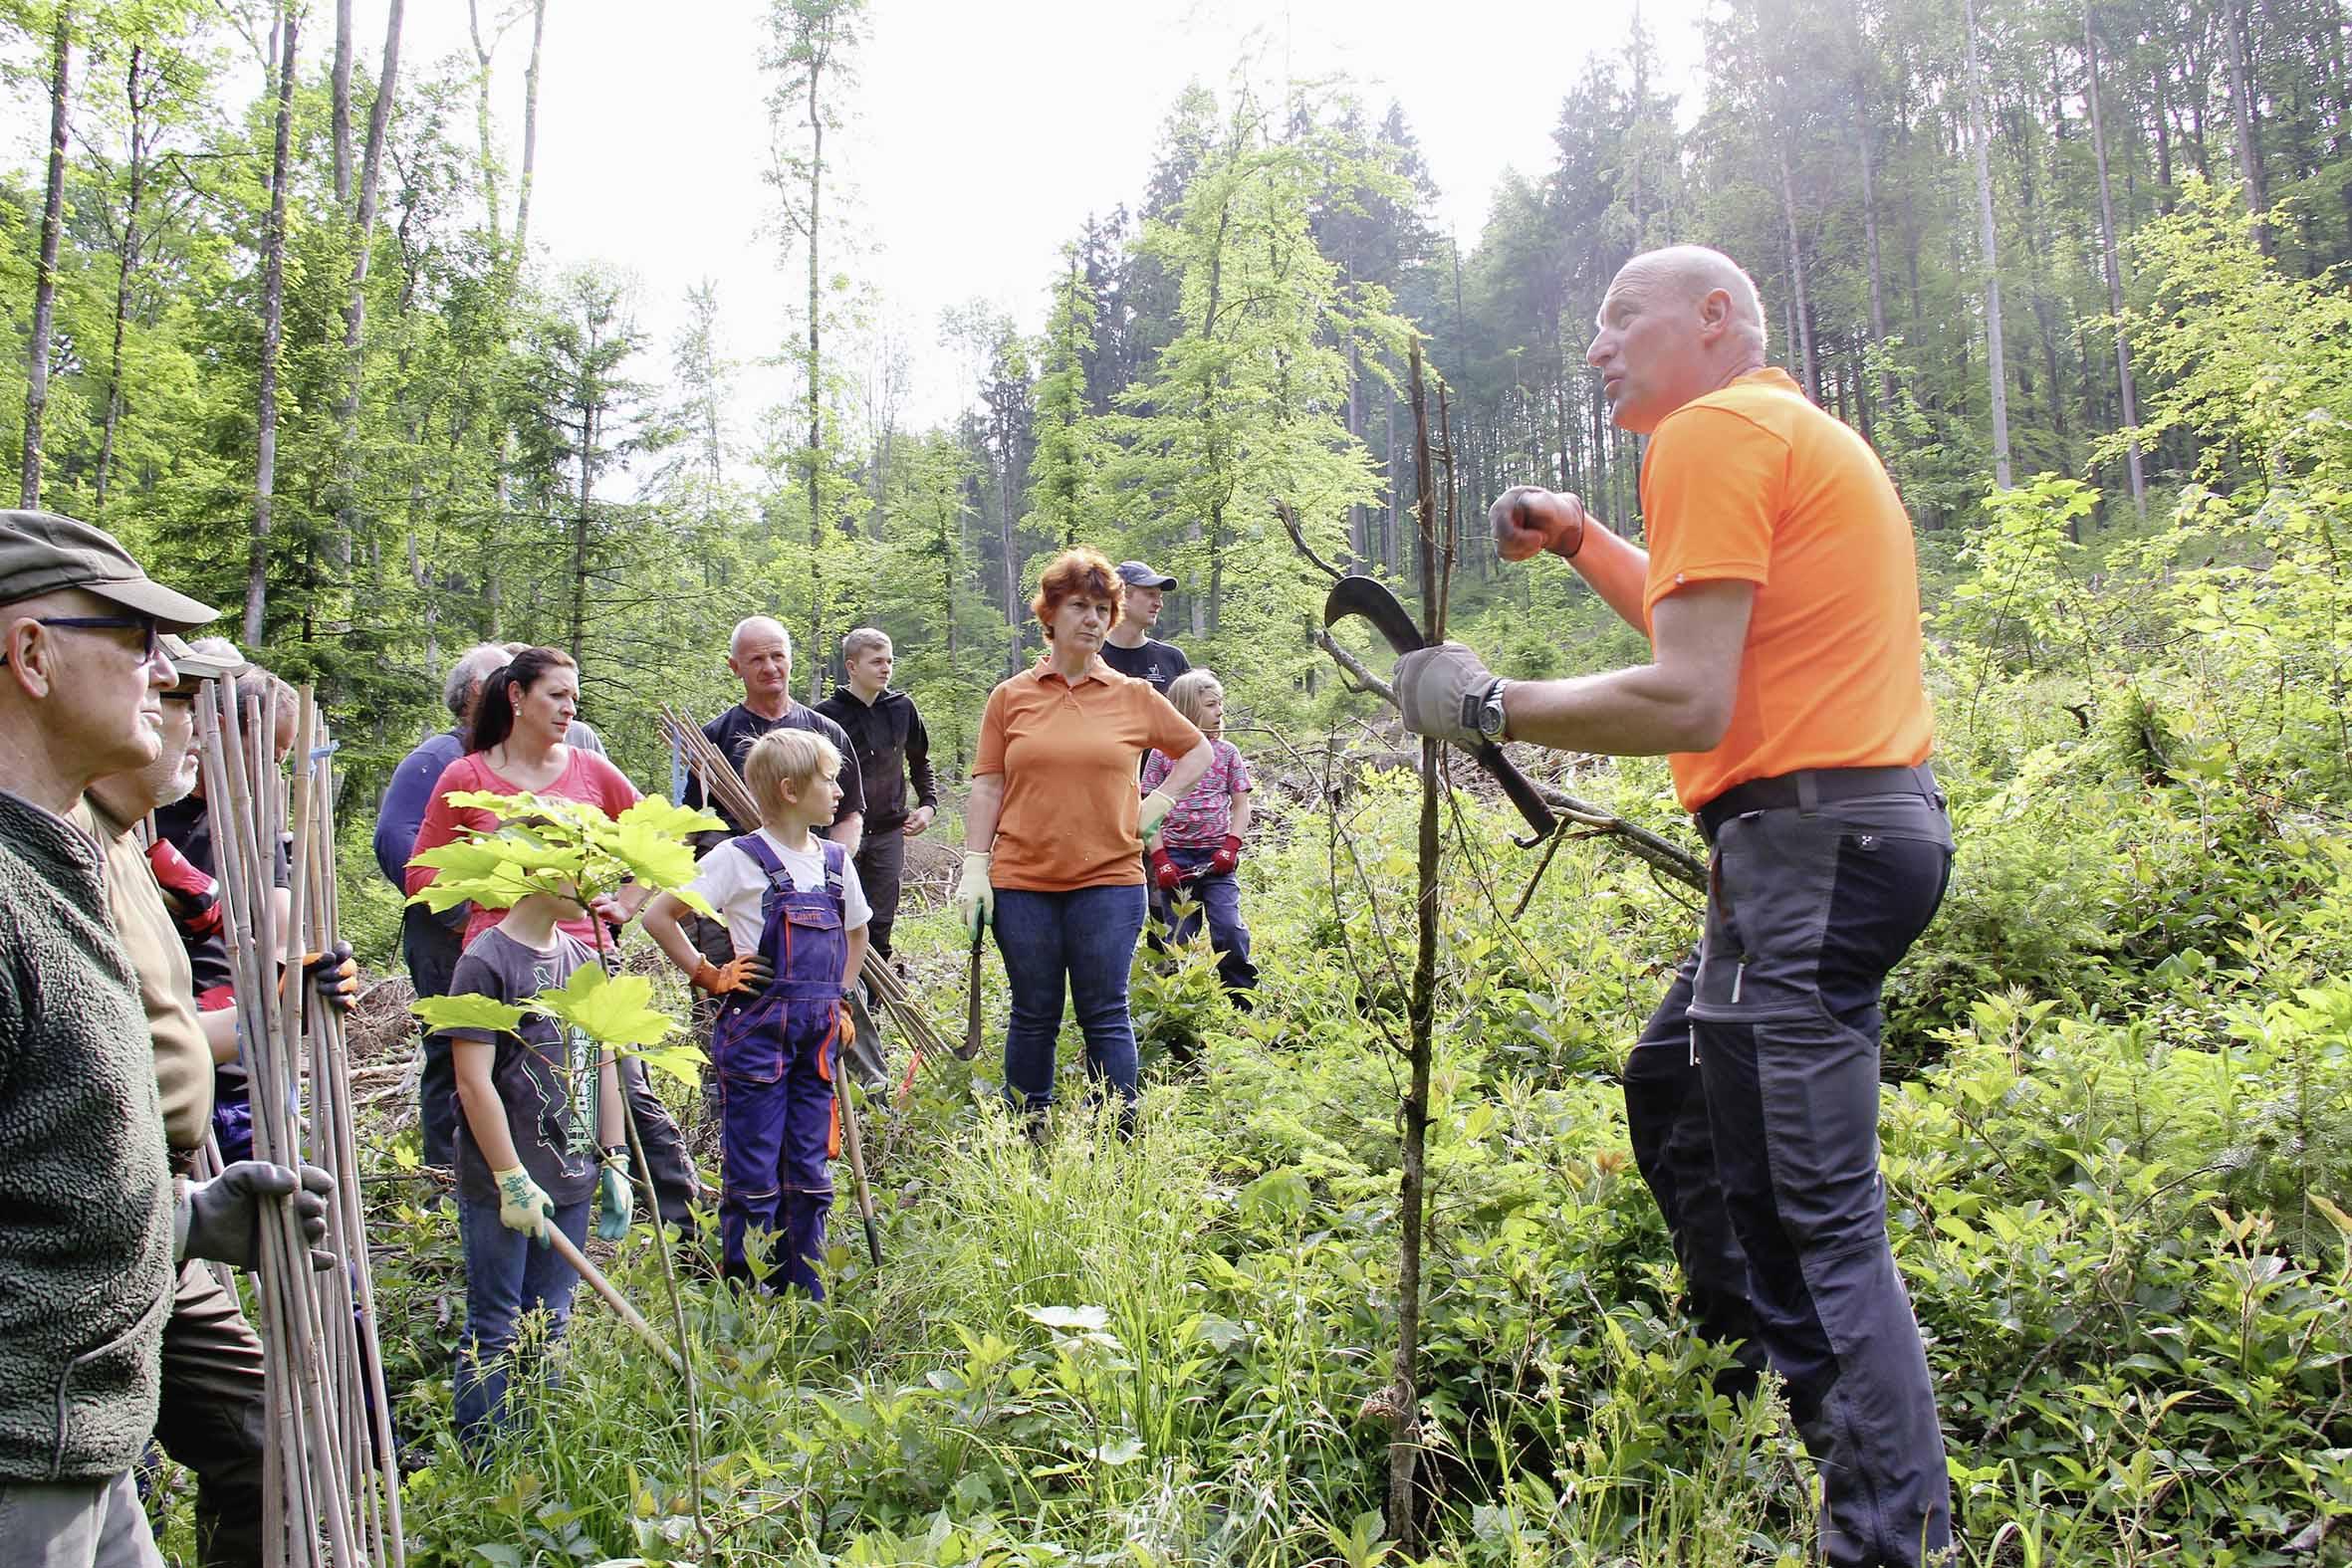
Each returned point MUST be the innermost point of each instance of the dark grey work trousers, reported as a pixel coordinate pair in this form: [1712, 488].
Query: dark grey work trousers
[1752, 1102]
[431, 949]
[882, 866]
[213, 1417]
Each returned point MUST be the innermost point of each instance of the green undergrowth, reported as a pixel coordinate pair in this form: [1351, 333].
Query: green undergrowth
[2109, 1175]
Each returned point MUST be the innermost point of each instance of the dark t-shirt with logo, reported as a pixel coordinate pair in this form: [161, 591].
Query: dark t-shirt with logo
[545, 1074]
[737, 729]
[1155, 661]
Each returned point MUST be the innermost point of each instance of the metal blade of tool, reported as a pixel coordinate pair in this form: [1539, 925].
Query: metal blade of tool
[1370, 598]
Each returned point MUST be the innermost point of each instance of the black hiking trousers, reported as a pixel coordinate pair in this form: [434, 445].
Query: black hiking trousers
[1751, 1097]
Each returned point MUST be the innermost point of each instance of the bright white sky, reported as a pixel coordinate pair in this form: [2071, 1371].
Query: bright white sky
[980, 136]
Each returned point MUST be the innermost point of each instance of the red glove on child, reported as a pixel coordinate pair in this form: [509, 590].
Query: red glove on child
[195, 897]
[1228, 855]
[1166, 875]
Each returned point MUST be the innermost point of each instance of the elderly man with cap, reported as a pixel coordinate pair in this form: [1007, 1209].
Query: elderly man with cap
[94, 1222]
[430, 942]
[213, 1417]
[1129, 648]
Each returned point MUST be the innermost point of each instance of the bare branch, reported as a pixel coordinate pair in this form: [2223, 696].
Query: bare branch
[1289, 521]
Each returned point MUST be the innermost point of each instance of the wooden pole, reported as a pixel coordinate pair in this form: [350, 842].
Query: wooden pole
[612, 1297]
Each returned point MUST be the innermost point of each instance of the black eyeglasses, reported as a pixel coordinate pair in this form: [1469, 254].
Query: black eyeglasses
[145, 623]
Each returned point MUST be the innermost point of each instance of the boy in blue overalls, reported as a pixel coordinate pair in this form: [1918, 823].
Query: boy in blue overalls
[796, 917]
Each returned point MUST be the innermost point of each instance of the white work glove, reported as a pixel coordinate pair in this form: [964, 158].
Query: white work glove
[976, 900]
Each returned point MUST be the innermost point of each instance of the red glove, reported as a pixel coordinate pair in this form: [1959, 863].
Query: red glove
[747, 973]
[1165, 873]
[195, 897]
[1228, 855]
[1529, 520]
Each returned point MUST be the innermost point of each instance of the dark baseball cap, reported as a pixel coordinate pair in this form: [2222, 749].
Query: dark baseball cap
[43, 552]
[1136, 574]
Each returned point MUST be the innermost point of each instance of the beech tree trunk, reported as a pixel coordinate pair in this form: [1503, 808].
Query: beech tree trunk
[817, 540]
[273, 303]
[1995, 363]
[355, 316]
[530, 138]
[52, 209]
[2114, 268]
[341, 115]
[1878, 307]
[2242, 113]
[139, 81]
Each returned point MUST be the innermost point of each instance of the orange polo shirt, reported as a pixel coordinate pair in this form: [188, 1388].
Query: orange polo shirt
[1754, 483]
[1068, 754]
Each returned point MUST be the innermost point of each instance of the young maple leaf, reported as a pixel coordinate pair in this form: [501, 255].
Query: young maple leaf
[467, 1011]
[610, 1009]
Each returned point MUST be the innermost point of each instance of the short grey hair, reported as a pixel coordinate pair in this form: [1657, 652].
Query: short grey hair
[862, 643]
[466, 676]
[735, 637]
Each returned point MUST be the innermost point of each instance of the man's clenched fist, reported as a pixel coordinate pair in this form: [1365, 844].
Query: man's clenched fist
[1530, 520]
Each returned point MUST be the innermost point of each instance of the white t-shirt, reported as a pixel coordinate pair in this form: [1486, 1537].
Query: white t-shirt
[734, 883]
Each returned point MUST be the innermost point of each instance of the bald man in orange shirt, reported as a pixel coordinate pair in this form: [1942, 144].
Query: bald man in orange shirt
[1781, 596]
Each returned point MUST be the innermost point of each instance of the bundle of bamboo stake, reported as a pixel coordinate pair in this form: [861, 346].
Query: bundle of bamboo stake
[333, 1495]
[722, 784]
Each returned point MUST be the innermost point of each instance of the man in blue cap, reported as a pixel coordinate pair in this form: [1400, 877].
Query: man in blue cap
[1128, 647]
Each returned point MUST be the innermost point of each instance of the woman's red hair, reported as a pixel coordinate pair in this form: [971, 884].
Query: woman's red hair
[1074, 572]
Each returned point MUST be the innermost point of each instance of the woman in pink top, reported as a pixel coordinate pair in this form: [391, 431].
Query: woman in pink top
[517, 744]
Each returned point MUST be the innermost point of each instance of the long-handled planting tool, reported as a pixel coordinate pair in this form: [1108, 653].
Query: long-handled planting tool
[614, 1298]
[853, 1146]
[972, 1040]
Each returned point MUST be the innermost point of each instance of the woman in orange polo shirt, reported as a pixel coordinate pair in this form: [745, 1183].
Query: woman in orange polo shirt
[1054, 833]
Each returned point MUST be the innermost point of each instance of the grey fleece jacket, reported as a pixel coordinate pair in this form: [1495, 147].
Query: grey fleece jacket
[85, 1266]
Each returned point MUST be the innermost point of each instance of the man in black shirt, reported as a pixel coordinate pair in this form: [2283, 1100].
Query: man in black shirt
[887, 735]
[1129, 648]
[761, 655]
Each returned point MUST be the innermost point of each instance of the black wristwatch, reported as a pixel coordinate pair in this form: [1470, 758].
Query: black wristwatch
[1486, 716]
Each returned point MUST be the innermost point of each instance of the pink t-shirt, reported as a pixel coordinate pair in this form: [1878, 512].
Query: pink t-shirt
[586, 778]
[1205, 816]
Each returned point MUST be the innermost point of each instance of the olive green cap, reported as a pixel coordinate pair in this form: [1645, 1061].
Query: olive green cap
[43, 552]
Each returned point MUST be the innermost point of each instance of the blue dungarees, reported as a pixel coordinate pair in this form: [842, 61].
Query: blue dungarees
[773, 1053]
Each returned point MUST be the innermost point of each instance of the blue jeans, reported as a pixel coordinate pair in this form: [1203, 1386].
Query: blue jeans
[1084, 940]
[506, 1275]
[1219, 895]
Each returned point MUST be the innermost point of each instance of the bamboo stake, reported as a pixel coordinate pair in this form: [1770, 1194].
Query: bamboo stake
[214, 717]
[360, 1394]
[384, 1493]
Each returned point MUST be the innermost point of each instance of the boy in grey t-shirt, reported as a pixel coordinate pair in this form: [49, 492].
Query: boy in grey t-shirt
[536, 1103]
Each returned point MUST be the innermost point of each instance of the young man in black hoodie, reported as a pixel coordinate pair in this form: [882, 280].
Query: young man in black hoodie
[888, 742]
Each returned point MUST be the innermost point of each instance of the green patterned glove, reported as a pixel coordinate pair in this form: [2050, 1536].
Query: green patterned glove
[523, 1204]
[616, 1202]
